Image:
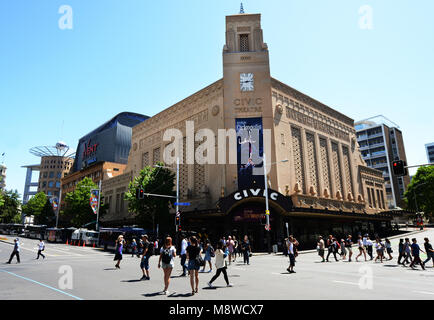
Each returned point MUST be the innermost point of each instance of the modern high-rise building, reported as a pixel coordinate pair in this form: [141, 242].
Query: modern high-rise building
[381, 143]
[430, 152]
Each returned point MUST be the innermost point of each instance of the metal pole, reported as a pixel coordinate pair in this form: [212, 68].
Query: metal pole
[58, 206]
[99, 205]
[177, 192]
[267, 211]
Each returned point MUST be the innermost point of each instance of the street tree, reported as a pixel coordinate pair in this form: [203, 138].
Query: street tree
[10, 210]
[152, 210]
[420, 191]
[77, 206]
[40, 207]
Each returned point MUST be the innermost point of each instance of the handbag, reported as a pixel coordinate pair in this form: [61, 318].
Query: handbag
[200, 261]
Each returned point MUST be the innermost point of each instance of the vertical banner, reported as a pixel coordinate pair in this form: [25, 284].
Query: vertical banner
[250, 151]
[54, 203]
[94, 200]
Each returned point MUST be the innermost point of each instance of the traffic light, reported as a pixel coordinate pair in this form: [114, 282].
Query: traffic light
[399, 169]
[140, 193]
[178, 221]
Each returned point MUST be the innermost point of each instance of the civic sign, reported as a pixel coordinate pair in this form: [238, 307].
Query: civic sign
[182, 203]
[94, 195]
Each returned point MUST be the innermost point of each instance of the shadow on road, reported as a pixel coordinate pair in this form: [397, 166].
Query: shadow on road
[179, 295]
[109, 269]
[154, 294]
[134, 280]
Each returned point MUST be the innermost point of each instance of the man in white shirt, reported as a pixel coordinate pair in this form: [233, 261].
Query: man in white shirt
[41, 247]
[183, 256]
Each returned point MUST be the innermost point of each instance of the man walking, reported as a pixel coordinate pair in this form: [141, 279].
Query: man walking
[369, 246]
[348, 245]
[146, 255]
[401, 250]
[16, 251]
[41, 247]
[407, 250]
[184, 245]
[429, 251]
[415, 250]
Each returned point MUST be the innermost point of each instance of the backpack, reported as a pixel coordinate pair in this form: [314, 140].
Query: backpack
[167, 256]
[212, 253]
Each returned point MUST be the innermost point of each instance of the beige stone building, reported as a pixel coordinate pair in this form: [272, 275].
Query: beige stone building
[318, 181]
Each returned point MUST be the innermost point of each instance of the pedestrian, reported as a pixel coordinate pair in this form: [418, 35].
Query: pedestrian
[224, 241]
[230, 245]
[379, 247]
[146, 255]
[166, 261]
[296, 244]
[388, 246]
[369, 246]
[343, 250]
[156, 247]
[429, 251]
[209, 253]
[361, 248]
[118, 250]
[183, 255]
[240, 248]
[16, 251]
[220, 264]
[331, 248]
[41, 247]
[140, 247]
[245, 247]
[407, 250]
[401, 250]
[235, 248]
[193, 256]
[133, 247]
[349, 246]
[290, 247]
[320, 247]
[415, 251]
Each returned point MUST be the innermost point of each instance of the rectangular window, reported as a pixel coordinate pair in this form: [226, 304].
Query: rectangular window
[51, 174]
[374, 204]
[369, 197]
[244, 43]
[379, 199]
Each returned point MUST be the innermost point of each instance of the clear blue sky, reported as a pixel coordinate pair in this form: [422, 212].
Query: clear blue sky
[143, 56]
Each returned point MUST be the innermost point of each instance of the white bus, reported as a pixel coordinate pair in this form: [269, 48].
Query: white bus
[81, 236]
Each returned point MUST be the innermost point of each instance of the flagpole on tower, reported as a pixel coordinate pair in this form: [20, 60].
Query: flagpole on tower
[241, 8]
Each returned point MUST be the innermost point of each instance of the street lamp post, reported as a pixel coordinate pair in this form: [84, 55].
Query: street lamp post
[267, 209]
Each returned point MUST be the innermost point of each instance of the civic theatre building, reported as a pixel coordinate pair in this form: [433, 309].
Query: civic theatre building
[318, 182]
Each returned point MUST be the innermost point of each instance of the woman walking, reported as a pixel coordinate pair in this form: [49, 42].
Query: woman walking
[220, 264]
[166, 261]
[246, 249]
[133, 248]
[361, 248]
[343, 250]
[193, 253]
[235, 248]
[379, 246]
[389, 250]
[209, 253]
[118, 250]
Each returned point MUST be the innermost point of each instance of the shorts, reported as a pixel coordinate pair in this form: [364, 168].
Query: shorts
[193, 265]
[389, 250]
[144, 264]
[166, 265]
[350, 249]
[291, 260]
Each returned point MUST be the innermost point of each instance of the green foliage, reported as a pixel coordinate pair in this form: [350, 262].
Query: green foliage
[422, 185]
[77, 206]
[35, 205]
[10, 210]
[152, 210]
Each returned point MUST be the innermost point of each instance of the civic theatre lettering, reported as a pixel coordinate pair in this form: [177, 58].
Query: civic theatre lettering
[254, 193]
[316, 124]
[248, 105]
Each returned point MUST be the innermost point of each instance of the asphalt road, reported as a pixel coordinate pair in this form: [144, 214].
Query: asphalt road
[94, 277]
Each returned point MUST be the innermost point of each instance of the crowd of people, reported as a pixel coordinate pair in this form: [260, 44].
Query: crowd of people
[191, 260]
[410, 252]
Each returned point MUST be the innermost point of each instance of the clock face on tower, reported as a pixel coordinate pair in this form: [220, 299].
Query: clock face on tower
[246, 82]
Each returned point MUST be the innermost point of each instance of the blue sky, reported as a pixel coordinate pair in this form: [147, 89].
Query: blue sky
[143, 56]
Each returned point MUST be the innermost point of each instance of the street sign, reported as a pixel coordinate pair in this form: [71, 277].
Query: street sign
[267, 212]
[182, 204]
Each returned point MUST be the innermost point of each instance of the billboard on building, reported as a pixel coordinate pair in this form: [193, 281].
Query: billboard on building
[250, 151]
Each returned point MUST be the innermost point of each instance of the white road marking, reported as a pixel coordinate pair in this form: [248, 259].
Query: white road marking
[346, 282]
[424, 292]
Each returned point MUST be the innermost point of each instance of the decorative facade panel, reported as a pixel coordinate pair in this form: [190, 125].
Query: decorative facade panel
[336, 166]
[347, 169]
[312, 161]
[298, 158]
[325, 164]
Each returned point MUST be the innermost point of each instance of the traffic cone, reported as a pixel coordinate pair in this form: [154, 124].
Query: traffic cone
[66, 241]
[94, 244]
[78, 242]
[84, 243]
